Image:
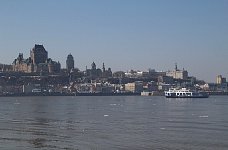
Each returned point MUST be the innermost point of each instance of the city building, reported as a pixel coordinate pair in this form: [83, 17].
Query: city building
[220, 79]
[165, 79]
[150, 86]
[156, 74]
[70, 63]
[136, 74]
[37, 62]
[6, 68]
[38, 54]
[178, 74]
[135, 87]
[95, 72]
[106, 73]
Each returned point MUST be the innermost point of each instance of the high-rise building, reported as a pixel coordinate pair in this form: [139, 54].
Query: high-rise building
[70, 62]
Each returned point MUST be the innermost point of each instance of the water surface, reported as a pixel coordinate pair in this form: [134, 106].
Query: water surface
[101, 123]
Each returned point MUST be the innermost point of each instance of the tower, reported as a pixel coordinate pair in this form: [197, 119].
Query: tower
[70, 62]
[38, 54]
[93, 72]
[103, 68]
[176, 67]
[93, 66]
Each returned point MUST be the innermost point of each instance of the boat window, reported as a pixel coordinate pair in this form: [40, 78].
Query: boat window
[173, 94]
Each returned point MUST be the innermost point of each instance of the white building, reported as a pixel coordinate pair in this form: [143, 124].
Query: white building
[135, 87]
[177, 74]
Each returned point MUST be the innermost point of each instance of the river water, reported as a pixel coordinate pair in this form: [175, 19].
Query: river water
[106, 123]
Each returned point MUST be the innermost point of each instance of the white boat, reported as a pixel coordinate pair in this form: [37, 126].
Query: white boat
[184, 93]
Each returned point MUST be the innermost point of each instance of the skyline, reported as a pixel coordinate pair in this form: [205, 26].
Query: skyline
[124, 35]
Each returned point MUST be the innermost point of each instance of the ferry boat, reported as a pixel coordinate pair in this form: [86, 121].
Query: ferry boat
[184, 93]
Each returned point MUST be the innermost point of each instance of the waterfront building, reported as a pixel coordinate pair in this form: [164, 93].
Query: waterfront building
[135, 87]
[222, 87]
[164, 87]
[70, 63]
[220, 79]
[38, 62]
[151, 86]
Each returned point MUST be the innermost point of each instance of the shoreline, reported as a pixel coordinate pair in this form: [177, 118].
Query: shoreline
[67, 94]
[92, 94]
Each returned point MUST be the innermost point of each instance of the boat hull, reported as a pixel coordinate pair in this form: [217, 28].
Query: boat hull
[200, 96]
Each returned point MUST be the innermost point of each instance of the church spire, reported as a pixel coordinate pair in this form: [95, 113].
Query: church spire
[175, 66]
[103, 68]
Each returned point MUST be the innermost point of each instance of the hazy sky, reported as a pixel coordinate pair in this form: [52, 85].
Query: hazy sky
[124, 34]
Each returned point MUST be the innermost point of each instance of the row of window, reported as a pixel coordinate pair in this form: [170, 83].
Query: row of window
[183, 94]
[179, 94]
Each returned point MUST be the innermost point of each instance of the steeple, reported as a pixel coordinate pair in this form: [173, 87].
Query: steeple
[175, 66]
[103, 68]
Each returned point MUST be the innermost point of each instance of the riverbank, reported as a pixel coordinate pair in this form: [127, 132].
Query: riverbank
[68, 94]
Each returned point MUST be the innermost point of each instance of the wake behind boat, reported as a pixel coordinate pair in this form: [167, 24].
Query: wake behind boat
[184, 93]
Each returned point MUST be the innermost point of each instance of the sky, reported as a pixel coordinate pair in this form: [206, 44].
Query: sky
[124, 34]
